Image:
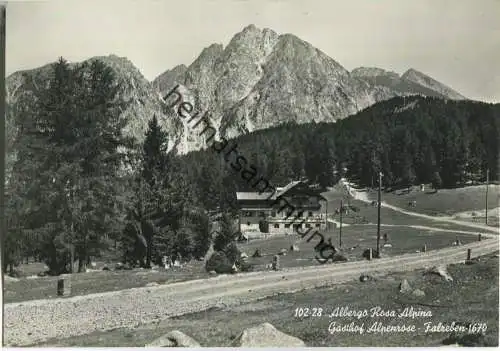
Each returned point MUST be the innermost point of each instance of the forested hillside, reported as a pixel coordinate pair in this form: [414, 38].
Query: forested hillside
[411, 140]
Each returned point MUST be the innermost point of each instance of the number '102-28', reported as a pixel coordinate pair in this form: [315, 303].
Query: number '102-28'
[308, 312]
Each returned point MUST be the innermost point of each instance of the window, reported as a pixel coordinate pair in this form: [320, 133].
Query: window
[300, 214]
[273, 214]
[248, 223]
[276, 226]
[310, 214]
[262, 214]
[308, 225]
[287, 225]
[248, 214]
[317, 225]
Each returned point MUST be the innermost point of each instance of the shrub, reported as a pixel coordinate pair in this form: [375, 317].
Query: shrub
[232, 252]
[263, 226]
[219, 263]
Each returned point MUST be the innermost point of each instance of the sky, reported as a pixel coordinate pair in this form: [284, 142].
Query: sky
[456, 42]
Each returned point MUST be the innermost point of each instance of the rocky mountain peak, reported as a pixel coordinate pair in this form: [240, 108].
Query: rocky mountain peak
[370, 72]
[412, 75]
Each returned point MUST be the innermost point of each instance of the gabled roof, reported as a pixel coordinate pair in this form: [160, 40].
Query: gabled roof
[292, 185]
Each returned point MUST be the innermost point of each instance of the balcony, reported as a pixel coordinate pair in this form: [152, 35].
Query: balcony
[314, 218]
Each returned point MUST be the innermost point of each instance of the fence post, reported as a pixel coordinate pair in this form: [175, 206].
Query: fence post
[370, 254]
[479, 237]
[64, 285]
[425, 248]
[469, 254]
[276, 263]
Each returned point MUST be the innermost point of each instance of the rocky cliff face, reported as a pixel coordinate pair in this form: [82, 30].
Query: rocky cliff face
[261, 79]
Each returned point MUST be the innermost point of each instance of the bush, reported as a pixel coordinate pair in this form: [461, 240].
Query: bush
[232, 252]
[263, 226]
[219, 263]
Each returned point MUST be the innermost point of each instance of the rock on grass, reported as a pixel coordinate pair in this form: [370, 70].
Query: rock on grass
[266, 335]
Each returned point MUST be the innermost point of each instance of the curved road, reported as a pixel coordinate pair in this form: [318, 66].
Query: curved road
[35, 321]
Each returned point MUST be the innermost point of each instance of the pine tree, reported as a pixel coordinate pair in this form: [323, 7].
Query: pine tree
[226, 233]
[151, 203]
[70, 157]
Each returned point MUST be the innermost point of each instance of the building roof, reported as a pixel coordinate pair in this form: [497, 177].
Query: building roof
[255, 196]
[293, 184]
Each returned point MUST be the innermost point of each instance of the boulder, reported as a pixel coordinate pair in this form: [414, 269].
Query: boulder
[174, 339]
[339, 258]
[418, 293]
[266, 335]
[213, 273]
[234, 268]
[294, 248]
[364, 278]
[441, 271]
[243, 255]
[405, 287]
[283, 252]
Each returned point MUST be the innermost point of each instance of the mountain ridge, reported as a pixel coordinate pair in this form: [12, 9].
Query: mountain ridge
[259, 80]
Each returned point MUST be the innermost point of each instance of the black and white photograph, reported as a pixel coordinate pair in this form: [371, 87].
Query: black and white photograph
[250, 173]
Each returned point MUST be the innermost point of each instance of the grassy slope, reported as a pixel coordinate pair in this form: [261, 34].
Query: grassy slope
[96, 282]
[471, 297]
[368, 213]
[403, 240]
[445, 201]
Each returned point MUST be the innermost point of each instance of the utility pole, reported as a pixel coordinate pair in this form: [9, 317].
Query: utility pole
[340, 228]
[487, 184]
[378, 211]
